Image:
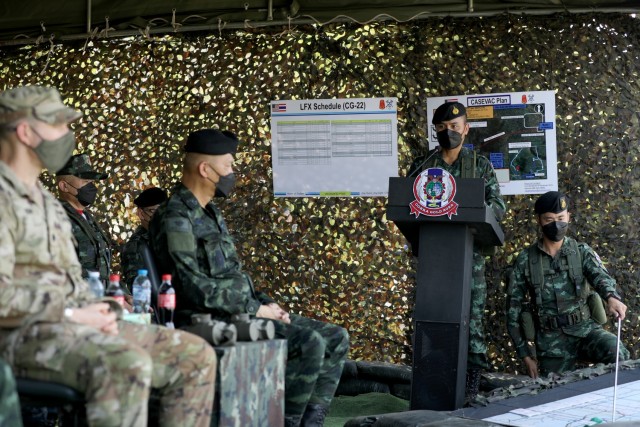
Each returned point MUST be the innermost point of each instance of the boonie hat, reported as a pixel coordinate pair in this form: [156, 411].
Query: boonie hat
[40, 102]
[80, 166]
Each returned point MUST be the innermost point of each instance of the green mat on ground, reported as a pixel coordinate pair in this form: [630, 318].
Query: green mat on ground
[344, 408]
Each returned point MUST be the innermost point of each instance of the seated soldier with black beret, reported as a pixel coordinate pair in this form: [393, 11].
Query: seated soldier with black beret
[131, 259]
[548, 297]
[191, 241]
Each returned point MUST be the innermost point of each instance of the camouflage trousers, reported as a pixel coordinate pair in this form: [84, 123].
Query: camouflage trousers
[9, 402]
[599, 346]
[116, 372]
[477, 357]
[316, 352]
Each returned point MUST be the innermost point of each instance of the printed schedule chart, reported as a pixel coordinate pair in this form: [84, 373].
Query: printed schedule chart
[333, 148]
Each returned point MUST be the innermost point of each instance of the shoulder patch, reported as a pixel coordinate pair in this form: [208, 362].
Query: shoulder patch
[178, 225]
[598, 260]
[180, 235]
[589, 252]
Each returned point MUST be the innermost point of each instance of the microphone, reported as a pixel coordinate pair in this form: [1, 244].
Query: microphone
[435, 150]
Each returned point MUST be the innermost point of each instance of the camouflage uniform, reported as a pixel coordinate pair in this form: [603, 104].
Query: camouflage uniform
[131, 257]
[194, 245]
[9, 401]
[39, 277]
[94, 246]
[558, 347]
[493, 198]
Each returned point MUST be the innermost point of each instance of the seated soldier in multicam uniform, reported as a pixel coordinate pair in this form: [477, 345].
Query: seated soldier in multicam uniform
[51, 327]
[549, 284]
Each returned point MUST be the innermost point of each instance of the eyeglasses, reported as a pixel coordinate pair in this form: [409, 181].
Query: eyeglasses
[149, 211]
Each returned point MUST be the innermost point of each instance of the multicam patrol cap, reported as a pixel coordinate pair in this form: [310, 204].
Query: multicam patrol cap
[551, 201]
[40, 102]
[448, 111]
[80, 166]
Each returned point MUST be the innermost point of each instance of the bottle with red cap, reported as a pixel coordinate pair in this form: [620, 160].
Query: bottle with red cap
[114, 290]
[166, 301]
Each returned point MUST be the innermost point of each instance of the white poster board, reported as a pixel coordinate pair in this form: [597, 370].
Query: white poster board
[334, 147]
[516, 132]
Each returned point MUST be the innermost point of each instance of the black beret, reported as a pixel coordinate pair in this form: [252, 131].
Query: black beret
[448, 111]
[551, 201]
[212, 142]
[150, 197]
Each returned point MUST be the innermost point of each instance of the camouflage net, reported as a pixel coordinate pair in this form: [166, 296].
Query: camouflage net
[339, 259]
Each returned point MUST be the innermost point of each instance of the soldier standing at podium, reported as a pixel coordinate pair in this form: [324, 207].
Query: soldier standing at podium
[450, 120]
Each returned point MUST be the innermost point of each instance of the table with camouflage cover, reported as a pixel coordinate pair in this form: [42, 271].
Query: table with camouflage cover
[250, 384]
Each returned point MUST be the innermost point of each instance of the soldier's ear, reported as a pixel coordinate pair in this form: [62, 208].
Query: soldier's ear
[203, 169]
[24, 132]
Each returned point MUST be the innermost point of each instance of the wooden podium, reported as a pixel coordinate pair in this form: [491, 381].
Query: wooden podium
[444, 248]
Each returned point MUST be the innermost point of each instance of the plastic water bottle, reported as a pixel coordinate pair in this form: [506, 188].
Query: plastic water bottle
[141, 292]
[166, 301]
[114, 290]
[95, 284]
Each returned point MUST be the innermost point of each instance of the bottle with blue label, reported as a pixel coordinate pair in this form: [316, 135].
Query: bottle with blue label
[141, 292]
[95, 284]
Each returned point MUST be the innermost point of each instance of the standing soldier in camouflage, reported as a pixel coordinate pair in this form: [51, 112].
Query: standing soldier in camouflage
[450, 120]
[78, 191]
[9, 401]
[191, 241]
[547, 297]
[51, 327]
[131, 258]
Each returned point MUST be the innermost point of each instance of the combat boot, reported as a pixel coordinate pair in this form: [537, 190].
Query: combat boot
[292, 420]
[314, 415]
[473, 384]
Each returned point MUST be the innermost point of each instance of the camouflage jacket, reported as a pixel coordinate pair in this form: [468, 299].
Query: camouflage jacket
[559, 294]
[93, 244]
[39, 270]
[193, 244]
[484, 169]
[131, 259]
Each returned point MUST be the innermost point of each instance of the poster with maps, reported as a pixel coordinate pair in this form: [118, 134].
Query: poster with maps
[516, 132]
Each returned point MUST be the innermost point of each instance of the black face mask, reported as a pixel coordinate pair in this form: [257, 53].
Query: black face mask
[225, 185]
[449, 139]
[555, 231]
[86, 194]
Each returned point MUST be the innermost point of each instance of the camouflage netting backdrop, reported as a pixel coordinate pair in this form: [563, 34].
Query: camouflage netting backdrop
[339, 259]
